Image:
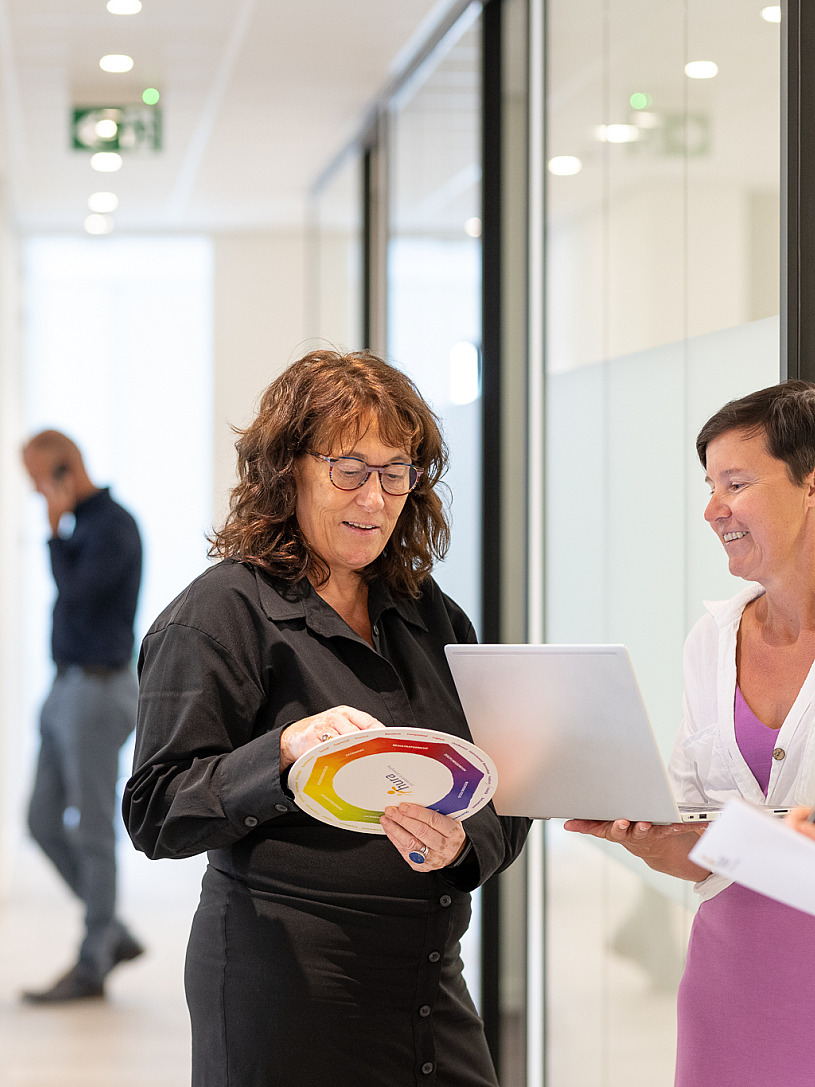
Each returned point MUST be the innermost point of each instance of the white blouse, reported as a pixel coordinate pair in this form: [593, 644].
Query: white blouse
[706, 765]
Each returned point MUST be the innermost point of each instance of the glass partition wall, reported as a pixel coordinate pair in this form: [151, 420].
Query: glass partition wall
[433, 293]
[662, 275]
[401, 227]
[564, 216]
[336, 255]
[456, 292]
[434, 273]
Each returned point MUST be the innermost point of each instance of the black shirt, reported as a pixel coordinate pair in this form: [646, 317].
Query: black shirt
[300, 921]
[232, 661]
[97, 570]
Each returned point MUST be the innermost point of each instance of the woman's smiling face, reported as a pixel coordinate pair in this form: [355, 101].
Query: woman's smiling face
[764, 520]
[348, 529]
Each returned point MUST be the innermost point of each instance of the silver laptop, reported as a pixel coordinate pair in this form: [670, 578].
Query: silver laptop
[568, 731]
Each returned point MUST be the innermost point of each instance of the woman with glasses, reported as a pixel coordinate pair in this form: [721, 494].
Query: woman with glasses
[317, 954]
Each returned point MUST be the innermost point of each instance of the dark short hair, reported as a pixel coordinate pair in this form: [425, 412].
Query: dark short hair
[784, 414]
[320, 403]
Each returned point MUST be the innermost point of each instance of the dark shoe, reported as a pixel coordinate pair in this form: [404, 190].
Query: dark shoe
[126, 950]
[73, 986]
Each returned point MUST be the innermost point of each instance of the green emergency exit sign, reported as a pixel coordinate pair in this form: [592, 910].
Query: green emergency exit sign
[116, 128]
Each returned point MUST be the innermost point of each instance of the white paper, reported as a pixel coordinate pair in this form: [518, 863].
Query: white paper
[752, 847]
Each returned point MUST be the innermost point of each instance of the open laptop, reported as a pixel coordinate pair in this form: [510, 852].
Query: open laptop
[568, 731]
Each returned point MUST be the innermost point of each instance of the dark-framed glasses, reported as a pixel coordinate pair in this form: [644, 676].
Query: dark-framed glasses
[350, 473]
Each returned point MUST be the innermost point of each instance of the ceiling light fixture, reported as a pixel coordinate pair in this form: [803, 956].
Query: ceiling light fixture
[465, 386]
[124, 7]
[701, 69]
[564, 165]
[106, 162]
[103, 202]
[772, 14]
[472, 227]
[106, 129]
[617, 133]
[116, 62]
[98, 224]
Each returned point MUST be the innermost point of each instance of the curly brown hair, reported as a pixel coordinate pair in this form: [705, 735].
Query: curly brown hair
[326, 401]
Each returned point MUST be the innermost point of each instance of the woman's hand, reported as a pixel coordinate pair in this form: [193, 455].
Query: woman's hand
[663, 847]
[298, 738]
[798, 819]
[411, 827]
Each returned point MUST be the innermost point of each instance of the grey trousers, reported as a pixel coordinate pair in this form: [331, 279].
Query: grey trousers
[84, 722]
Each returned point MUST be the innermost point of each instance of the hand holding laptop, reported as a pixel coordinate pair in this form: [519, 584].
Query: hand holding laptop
[663, 847]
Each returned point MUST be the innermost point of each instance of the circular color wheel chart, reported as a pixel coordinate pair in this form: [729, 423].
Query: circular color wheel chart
[348, 781]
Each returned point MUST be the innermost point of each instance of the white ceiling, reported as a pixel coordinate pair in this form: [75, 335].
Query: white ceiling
[257, 97]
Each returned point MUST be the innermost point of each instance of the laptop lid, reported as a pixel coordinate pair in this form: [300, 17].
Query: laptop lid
[567, 730]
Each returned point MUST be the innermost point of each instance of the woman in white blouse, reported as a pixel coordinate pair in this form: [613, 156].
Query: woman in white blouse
[748, 730]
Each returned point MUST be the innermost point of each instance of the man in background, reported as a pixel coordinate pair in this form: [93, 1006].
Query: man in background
[96, 558]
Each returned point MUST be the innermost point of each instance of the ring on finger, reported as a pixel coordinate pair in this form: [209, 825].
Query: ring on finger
[325, 736]
[419, 854]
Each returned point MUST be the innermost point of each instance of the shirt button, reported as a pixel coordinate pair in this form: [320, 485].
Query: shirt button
[779, 754]
[281, 807]
[425, 1010]
[445, 900]
[434, 956]
[427, 1067]
[250, 821]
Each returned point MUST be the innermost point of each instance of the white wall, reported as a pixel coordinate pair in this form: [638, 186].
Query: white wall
[10, 505]
[259, 329]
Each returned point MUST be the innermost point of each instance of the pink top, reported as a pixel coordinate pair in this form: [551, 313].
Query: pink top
[741, 1019]
[756, 741]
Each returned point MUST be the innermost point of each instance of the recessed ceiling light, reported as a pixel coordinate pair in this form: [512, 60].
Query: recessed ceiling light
[106, 129]
[103, 202]
[472, 227]
[106, 162]
[464, 380]
[772, 14]
[98, 224]
[617, 133]
[116, 62]
[124, 7]
[701, 69]
[564, 165]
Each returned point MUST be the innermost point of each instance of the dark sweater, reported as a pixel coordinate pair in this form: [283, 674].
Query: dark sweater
[97, 571]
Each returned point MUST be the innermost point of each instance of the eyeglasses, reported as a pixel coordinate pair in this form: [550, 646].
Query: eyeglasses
[350, 473]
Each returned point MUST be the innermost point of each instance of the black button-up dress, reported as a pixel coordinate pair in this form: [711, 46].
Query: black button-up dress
[317, 956]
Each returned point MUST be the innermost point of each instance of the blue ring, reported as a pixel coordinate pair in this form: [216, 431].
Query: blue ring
[416, 857]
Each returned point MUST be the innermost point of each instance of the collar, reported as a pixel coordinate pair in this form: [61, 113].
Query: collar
[380, 600]
[729, 611]
[283, 600]
[98, 498]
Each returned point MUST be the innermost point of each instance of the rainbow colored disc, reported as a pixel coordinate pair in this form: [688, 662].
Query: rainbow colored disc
[350, 780]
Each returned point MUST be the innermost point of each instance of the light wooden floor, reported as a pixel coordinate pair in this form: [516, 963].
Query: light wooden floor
[140, 1033]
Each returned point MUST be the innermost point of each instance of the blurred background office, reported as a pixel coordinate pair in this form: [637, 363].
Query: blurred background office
[573, 222]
